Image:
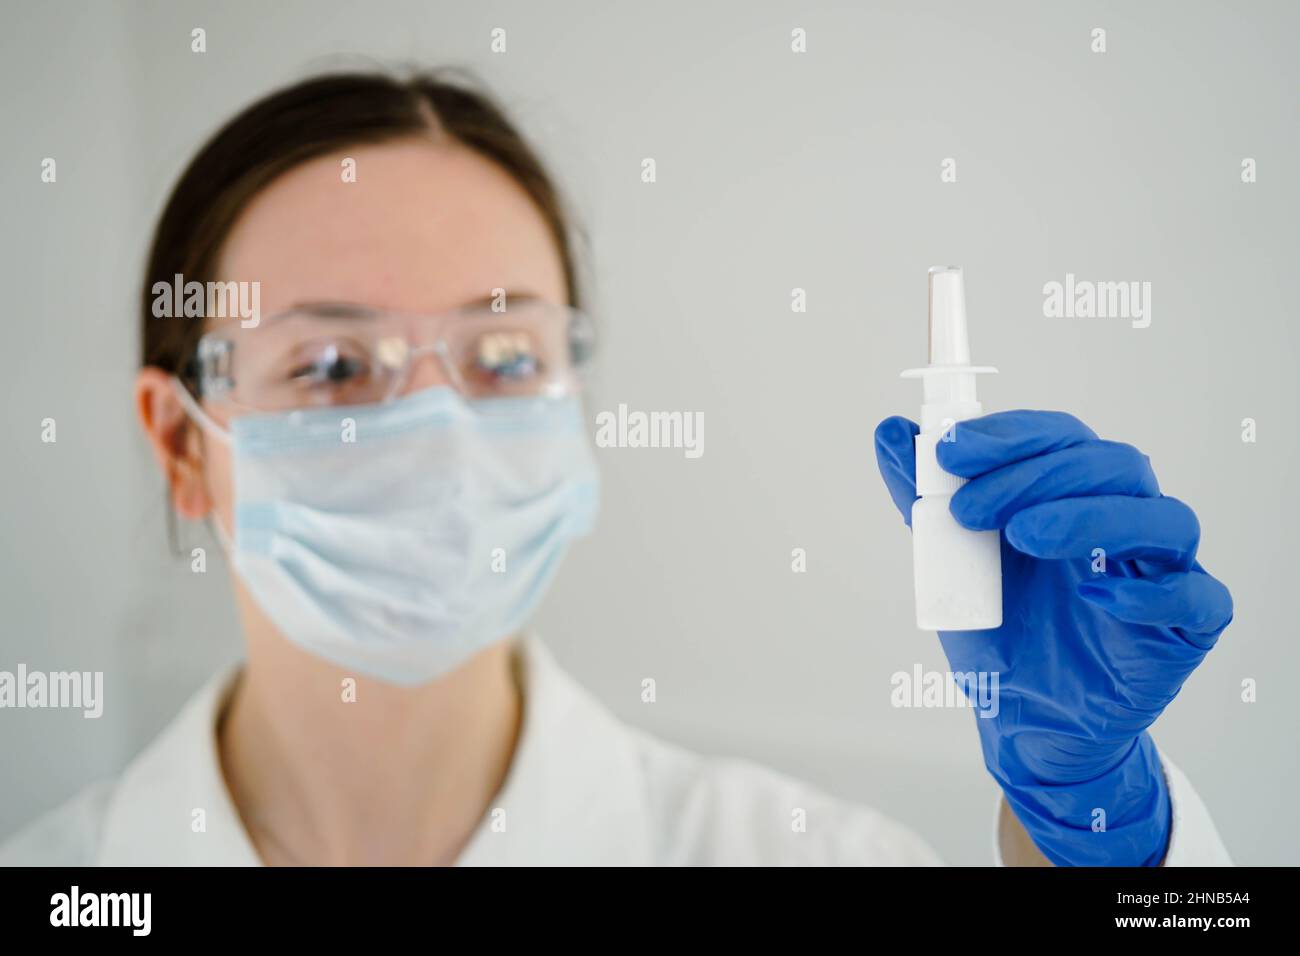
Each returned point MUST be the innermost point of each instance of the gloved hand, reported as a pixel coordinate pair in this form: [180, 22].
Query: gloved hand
[1086, 661]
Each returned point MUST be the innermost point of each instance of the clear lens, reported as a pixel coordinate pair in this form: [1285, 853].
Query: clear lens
[521, 352]
[298, 361]
[312, 359]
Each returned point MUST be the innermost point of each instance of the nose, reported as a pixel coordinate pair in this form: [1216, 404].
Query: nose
[425, 369]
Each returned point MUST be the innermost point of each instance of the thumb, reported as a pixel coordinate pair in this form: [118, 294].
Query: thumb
[896, 455]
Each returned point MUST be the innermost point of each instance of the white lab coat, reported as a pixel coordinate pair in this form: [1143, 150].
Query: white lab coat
[584, 788]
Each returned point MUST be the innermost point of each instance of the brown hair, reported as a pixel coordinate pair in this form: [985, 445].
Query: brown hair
[301, 122]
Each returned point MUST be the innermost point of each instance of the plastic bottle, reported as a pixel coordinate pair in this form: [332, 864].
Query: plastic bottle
[958, 572]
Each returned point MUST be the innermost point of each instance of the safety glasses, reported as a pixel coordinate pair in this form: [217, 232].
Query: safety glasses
[329, 354]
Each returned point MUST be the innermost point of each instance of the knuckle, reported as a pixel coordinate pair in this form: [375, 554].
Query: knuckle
[1132, 461]
[1190, 522]
[1072, 425]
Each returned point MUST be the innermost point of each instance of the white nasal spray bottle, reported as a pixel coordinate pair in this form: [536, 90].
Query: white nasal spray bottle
[958, 572]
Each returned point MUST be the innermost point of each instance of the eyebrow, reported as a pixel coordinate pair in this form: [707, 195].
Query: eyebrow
[337, 308]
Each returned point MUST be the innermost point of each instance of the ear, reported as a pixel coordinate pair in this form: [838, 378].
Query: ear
[176, 442]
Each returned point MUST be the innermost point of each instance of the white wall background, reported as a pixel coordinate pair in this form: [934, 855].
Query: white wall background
[775, 170]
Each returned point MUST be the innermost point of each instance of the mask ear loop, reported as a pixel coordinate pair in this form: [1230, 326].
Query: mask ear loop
[204, 421]
[196, 412]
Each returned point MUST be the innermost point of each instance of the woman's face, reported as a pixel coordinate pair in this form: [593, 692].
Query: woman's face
[426, 227]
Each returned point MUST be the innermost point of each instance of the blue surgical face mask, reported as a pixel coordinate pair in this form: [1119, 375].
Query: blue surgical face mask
[398, 539]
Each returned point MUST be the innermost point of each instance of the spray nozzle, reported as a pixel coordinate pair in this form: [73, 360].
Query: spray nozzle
[949, 341]
[949, 379]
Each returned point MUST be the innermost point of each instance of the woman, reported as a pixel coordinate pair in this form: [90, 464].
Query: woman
[391, 448]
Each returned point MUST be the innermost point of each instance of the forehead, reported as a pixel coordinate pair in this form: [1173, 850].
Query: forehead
[426, 226]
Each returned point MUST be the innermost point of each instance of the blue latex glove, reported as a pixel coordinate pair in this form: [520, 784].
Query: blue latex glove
[1085, 661]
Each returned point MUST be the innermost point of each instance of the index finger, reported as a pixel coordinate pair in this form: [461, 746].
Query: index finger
[979, 445]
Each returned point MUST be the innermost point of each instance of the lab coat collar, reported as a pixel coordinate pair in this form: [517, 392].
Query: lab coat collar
[171, 806]
[574, 793]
